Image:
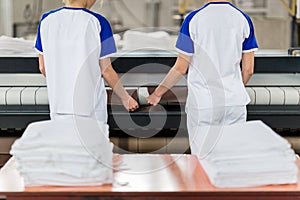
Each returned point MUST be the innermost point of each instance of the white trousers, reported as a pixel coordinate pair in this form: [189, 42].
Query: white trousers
[220, 116]
[101, 116]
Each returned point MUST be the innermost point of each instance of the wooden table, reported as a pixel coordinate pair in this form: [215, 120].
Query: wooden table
[150, 177]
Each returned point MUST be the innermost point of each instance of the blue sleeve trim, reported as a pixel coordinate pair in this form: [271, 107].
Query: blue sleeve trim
[108, 45]
[250, 42]
[38, 43]
[184, 42]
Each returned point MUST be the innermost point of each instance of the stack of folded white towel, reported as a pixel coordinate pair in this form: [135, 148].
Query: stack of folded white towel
[68, 152]
[244, 155]
[11, 46]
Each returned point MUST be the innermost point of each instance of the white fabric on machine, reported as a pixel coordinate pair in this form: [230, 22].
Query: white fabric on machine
[244, 155]
[11, 46]
[136, 40]
[71, 151]
[143, 93]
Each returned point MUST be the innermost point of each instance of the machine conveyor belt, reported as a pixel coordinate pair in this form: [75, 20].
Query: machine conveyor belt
[22, 96]
[148, 79]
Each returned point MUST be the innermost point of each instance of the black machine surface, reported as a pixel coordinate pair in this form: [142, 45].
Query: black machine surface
[274, 91]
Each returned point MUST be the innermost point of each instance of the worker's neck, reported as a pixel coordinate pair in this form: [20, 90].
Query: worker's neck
[76, 5]
[218, 1]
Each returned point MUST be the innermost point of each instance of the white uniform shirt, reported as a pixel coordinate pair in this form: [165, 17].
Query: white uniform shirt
[215, 36]
[72, 41]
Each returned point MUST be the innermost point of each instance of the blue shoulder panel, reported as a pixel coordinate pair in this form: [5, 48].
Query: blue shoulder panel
[38, 43]
[250, 42]
[108, 45]
[184, 41]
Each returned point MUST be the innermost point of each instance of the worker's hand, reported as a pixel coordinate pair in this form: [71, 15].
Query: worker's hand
[153, 99]
[130, 104]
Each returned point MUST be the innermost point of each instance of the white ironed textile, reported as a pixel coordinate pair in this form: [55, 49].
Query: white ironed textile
[253, 168]
[16, 45]
[135, 40]
[57, 156]
[72, 132]
[236, 178]
[65, 152]
[61, 178]
[6, 172]
[73, 169]
[245, 155]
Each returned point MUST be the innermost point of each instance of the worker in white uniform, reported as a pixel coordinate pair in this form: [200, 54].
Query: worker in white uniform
[212, 43]
[74, 46]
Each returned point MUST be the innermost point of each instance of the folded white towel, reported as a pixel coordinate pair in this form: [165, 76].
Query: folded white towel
[244, 155]
[70, 132]
[7, 183]
[236, 140]
[287, 154]
[258, 180]
[73, 169]
[254, 168]
[27, 158]
[268, 159]
[251, 178]
[44, 179]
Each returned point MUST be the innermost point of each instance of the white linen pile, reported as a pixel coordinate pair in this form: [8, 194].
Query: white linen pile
[67, 152]
[244, 155]
[137, 40]
[11, 46]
